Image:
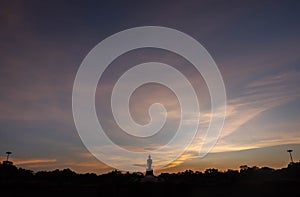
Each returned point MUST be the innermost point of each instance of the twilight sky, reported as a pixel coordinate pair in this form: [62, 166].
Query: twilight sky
[255, 44]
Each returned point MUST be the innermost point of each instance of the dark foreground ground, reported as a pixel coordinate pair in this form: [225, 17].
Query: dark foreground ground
[272, 188]
[249, 181]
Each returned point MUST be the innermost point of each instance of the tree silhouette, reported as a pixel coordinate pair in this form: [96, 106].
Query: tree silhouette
[249, 181]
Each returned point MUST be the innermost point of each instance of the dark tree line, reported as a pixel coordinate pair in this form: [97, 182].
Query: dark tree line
[247, 181]
[10, 172]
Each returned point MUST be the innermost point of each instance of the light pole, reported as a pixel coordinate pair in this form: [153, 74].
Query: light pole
[290, 151]
[8, 153]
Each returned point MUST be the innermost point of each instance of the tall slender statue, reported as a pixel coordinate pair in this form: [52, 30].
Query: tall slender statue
[149, 163]
[149, 170]
[149, 176]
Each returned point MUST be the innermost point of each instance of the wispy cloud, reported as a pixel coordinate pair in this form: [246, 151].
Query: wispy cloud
[32, 161]
[258, 96]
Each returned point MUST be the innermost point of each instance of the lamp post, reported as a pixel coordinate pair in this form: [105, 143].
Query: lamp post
[8, 153]
[290, 151]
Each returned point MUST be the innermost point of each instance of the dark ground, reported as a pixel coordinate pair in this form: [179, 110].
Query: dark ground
[249, 181]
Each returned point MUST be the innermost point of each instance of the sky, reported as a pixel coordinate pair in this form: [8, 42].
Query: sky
[255, 44]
